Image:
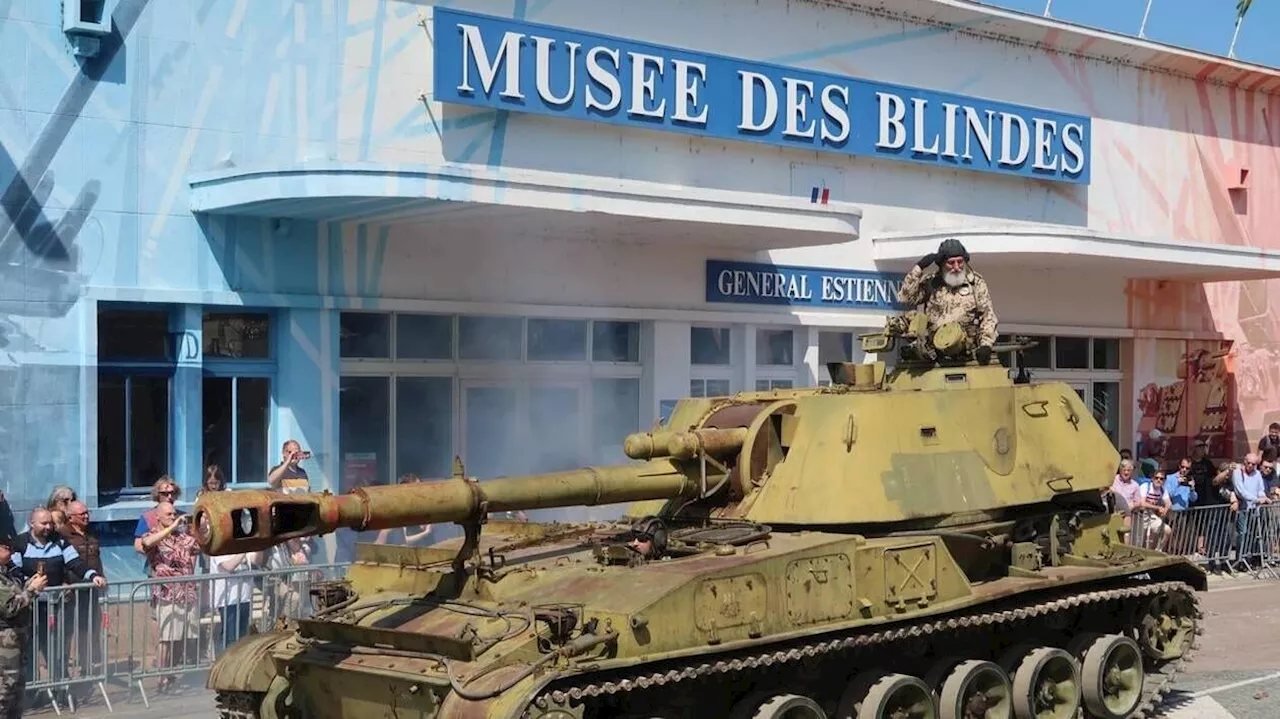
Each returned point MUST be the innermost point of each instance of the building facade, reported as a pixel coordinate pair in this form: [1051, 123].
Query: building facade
[513, 232]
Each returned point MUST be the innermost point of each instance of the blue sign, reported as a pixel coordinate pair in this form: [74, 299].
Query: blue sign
[525, 67]
[760, 284]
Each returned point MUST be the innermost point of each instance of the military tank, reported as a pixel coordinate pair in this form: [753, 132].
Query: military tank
[924, 541]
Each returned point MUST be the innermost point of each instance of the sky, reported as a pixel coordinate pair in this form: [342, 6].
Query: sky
[1204, 25]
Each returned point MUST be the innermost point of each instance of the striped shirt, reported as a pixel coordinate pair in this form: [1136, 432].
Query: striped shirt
[61, 561]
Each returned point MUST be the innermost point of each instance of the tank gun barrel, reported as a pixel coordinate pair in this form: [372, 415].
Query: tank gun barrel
[252, 520]
[685, 445]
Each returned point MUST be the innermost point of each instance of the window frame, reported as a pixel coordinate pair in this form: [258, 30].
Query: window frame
[235, 374]
[1088, 377]
[130, 370]
[772, 373]
[235, 368]
[521, 373]
[704, 372]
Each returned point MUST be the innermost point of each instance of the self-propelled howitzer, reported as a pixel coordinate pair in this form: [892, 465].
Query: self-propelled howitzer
[927, 541]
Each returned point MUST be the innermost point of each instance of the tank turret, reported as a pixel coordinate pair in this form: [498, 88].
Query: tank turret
[929, 538]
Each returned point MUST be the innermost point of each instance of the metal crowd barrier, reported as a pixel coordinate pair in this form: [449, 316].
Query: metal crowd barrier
[84, 638]
[1247, 540]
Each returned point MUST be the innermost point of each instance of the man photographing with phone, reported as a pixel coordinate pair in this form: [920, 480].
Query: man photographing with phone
[287, 476]
[284, 598]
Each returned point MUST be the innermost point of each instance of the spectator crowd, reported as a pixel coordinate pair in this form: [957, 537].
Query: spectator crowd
[57, 547]
[1214, 512]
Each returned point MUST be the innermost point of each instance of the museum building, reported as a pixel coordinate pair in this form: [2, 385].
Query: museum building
[516, 231]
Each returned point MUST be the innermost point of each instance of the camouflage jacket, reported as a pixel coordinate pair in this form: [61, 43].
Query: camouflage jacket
[15, 601]
[15, 619]
[969, 304]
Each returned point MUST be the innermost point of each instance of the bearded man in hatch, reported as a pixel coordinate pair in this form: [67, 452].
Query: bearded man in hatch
[955, 293]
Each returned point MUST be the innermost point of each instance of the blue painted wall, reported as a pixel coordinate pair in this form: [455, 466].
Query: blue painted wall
[94, 156]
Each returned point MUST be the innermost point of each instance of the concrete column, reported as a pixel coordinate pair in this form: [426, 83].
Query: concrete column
[305, 400]
[186, 453]
[811, 369]
[306, 392]
[668, 356]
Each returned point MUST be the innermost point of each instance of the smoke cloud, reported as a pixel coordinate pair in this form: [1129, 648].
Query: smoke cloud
[557, 394]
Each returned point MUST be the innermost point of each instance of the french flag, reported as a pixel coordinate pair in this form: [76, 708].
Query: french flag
[820, 195]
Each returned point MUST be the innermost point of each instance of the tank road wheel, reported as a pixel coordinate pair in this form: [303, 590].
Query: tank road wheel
[877, 695]
[975, 689]
[777, 706]
[1046, 683]
[1111, 675]
[1167, 626]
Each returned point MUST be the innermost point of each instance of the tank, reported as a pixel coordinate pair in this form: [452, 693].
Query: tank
[931, 539]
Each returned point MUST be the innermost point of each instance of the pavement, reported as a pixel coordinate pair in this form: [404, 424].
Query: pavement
[1235, 673]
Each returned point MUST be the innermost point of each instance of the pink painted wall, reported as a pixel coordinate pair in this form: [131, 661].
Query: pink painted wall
[1201, 165]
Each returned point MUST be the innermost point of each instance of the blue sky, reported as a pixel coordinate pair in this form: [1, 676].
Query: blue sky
[1204, 25]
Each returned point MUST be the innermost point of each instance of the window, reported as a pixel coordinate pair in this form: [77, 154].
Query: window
[710, 346]
[833, 347]
[364, 335]
[424, 337]
[557, 340]
[508, 394]
[709, 388]
[364, 409]
[424, 426]
[490, 338]
[615, 341]
[1091, 365]
[1065, 354]
[1106, 353]
[240, 335]
[236, 413]
[239, 367]
[1071, 352]
[1038, 357]
[1106, 408]
[775, 348]
[711, 361]
[775, 366]
[615, 413]
[135, 374]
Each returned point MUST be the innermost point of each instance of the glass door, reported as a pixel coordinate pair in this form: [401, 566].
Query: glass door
[512, 428]
[555, 423]
[491, 429]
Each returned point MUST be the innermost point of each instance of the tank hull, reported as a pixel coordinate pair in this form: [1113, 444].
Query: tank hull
[804, 614]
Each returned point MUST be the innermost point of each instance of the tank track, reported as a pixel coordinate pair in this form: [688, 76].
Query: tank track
[245, 705]
[238, 705]
[1158, 682]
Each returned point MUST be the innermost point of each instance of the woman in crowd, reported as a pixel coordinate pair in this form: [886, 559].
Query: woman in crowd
[165, 490]
[172, 552]
[59, 498]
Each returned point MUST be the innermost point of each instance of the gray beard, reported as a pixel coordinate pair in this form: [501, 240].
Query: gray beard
[953, 279]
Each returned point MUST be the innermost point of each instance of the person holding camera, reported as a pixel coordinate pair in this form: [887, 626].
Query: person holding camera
[287, 476]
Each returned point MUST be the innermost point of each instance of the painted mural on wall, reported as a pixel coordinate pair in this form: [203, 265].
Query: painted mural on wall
[1187, 391]
[1209, 201]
